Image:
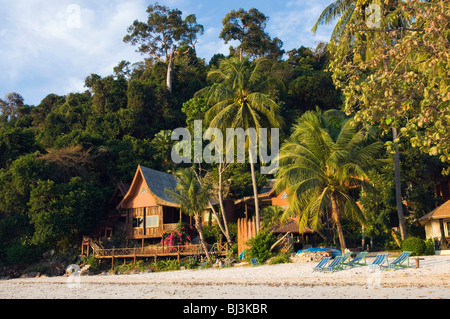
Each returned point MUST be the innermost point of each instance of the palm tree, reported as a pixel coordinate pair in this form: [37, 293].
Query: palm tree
[342, 9]
[347, 10]
[239, 100]
[162, 143]
[193, 198]
[323, 160]
[271, 216]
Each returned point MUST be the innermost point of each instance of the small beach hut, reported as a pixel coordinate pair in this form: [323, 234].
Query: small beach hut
[437, 227]
[149, 210]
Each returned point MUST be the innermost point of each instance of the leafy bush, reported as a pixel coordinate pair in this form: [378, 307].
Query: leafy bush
[415, 245]
[260, 245]
[182, 235]
[280, 259]
[164, 265]
[190, 264]
[21, 254]
[430, 247]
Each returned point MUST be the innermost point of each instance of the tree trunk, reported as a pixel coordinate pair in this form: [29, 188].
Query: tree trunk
[216, 216]
[224, 217]
[255, 193]
[398, 187]
[170, 71]
[337, 221]
[199, 228]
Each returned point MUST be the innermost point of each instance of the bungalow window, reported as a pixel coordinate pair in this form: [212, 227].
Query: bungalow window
[137, 222]
[152, 221]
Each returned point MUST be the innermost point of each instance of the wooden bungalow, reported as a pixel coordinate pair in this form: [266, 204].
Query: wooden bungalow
[299, 239]
[149, 210]
[267, 196]
[437, 227]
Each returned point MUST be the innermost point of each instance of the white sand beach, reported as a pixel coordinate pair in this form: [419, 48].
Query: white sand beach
[285, 281]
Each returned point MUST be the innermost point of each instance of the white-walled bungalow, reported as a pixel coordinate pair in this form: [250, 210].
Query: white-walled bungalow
[437, 227]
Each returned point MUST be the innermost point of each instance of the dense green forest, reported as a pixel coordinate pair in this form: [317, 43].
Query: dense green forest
[61, 160]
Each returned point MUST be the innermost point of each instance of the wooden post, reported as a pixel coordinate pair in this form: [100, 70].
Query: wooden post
[443, 239]
[112, 259]
[246, 212]
[178, 254]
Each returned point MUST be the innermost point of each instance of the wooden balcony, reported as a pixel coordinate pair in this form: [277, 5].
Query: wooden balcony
[151, 232]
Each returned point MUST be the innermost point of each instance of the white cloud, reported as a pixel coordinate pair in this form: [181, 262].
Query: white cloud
[293, 24]
[61, 43]
[50, 46]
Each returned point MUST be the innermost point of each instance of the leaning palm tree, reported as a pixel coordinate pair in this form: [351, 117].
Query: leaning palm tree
[342, 9]
[323, 160]
[193, 198]
[239, 99]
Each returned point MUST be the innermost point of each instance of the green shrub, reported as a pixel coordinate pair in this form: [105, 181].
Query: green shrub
[281, 258]
[164, 265]
[260, 245]
[415, 245]
[21, 254]
[430, 247]
[190, 264]
[93, 262]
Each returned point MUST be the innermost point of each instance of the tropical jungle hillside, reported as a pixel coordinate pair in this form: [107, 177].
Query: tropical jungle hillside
[373, 107]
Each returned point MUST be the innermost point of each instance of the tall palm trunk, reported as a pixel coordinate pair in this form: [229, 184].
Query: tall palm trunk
[398, 187]
[222, 208]
[223, 229]
[336, 218]
[255, 192]
[199, 228]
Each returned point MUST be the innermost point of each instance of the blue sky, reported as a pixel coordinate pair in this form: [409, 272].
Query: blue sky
[51, 46]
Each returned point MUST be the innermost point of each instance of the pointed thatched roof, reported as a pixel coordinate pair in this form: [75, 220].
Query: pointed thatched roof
[157, 182]
[289, 226]
[441, 212]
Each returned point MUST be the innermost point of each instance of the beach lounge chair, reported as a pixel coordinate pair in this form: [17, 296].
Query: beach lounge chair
[254, 262]
[346, 257]
[380, 259]
[404, 256]
[357, 260]
[321, 264]
[334, 265]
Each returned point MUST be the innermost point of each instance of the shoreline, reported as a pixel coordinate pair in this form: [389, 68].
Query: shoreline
[281, 281]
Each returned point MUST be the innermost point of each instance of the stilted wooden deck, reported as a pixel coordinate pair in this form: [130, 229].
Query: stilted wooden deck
[154, 251]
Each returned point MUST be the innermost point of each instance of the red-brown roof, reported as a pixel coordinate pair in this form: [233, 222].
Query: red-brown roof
[290, 226]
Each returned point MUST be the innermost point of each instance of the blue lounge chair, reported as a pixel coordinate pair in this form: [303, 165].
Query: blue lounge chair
[346, 257]
[335, 264]
[321, 264]
[357, 260]
[380, 259]
[254, 262]
[399, 261]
